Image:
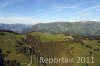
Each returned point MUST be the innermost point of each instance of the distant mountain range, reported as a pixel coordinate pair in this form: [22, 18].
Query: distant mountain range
[81, 28]
[19, 28]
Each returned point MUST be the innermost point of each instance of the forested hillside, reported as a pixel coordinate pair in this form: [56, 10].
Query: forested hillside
[79, 28]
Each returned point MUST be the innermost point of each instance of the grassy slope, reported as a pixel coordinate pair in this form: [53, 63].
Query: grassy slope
[45, 37]
[8, 42]
[78, 51]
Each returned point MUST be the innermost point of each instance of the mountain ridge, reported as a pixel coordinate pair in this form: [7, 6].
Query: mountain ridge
[80, 28]
[83, 28]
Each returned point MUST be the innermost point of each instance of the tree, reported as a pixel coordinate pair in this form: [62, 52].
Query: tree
[1, 58]
[8, 62]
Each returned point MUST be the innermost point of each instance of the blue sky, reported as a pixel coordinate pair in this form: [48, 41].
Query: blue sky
[36, 11]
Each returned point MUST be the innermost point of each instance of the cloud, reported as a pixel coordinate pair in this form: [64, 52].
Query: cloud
[86, 13]
[60, 8]
[9, 2]
[89, 9]
[19, 19]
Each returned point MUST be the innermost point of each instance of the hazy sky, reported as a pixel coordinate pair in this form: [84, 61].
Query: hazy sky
[36, 11]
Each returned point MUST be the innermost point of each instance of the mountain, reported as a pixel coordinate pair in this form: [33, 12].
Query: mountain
[14, 27]
[81, 28]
